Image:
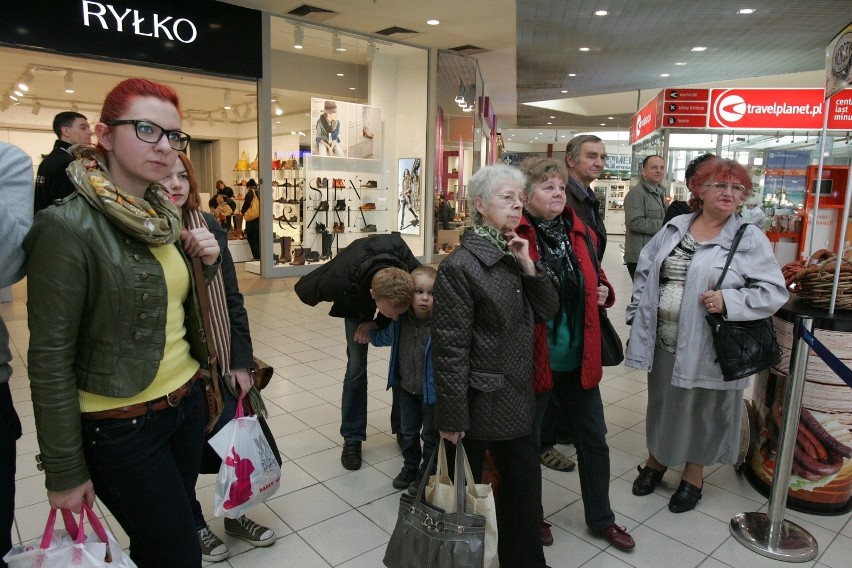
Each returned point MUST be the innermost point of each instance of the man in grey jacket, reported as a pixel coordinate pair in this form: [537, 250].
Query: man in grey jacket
[16, 192]
[644, 210]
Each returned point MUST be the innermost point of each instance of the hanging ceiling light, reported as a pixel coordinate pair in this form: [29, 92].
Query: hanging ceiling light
[36, 107]
[227, 105]
[336, 44]
[371, 51]
[298, 38]
[26, 80]
[277, 108]
[69, 82]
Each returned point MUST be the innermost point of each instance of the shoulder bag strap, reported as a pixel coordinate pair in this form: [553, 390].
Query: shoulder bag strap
[737, 238]
[592, 252]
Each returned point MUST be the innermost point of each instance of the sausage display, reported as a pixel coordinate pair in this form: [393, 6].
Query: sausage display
[817, 453]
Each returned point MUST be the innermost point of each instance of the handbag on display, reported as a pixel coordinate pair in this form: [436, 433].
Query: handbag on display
[428, 537]
[253, 165]
[612, 350]
[242, 163]
[276, 163]
[253, 212]
[743, 348]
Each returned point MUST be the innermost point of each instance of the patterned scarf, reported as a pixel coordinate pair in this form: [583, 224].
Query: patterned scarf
[560, 263]
[153, 220]
[493, 236]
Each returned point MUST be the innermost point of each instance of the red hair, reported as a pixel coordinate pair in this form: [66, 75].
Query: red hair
[119, 98]
[719, 169]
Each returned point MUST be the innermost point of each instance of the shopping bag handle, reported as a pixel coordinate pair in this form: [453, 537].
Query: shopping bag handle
[240, 412]
[70, 526]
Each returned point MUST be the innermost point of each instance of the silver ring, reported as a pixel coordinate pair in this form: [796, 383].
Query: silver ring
[710, 305]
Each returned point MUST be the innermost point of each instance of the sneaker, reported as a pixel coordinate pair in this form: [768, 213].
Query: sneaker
[554, 459]
[249, 531]
[405, 477]
[212, 547]
[351, 456]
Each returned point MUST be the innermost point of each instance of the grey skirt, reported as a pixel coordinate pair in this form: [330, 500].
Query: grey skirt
[700, 426]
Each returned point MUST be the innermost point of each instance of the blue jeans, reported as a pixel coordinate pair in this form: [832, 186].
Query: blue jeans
[417, 419]
[584, 411]
[353, 405]
[10, 431]
[144, 470]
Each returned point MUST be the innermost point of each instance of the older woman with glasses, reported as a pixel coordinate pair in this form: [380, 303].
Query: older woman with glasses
[488, 296]
[694, 416]
[116, 336]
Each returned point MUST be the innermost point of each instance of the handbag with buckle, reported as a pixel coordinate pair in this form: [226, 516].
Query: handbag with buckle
[743, 348]
[612, 350]
[261, 374]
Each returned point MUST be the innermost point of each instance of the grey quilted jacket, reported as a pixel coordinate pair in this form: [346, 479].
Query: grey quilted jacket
[482, 341]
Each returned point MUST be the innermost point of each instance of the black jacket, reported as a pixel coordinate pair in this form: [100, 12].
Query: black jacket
[345, 280]
[242, 356]
[587, 209]
[52, 182]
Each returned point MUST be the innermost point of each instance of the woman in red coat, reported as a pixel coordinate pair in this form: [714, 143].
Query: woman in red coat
[572, 339]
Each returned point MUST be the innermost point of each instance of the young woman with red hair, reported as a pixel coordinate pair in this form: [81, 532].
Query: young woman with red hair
[116, 336]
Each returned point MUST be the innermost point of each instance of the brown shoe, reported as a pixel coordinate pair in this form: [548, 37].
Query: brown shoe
[618, 537]
[546, 535]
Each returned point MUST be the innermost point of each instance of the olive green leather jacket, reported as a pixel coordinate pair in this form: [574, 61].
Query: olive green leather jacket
[97, 313]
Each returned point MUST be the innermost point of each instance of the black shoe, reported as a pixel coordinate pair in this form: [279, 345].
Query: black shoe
[351, 456]
[685, 498]
[414, 486]
[647, 480]
[405, 477]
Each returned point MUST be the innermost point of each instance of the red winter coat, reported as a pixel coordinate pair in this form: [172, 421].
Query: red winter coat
[592, 370]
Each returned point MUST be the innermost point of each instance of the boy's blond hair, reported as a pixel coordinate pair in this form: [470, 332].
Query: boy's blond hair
[425, 270]
[394, 285]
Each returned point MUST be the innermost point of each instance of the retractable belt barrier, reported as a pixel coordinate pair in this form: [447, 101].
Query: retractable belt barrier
[835, 364]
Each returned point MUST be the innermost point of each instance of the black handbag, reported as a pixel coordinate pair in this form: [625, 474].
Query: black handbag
[426, 537]
[612, 350]
[743, 348]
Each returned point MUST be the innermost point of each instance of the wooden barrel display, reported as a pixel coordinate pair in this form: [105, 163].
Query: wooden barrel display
[821, 478]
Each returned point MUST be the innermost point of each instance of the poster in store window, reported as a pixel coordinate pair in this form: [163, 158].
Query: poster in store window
[410, 196]
[345, 130]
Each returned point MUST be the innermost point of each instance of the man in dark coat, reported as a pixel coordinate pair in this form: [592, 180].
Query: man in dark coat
[347, 281]
[585, 156]
[52, 182]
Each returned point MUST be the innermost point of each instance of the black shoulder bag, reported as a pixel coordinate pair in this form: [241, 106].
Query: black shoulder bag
[743, 348]
[612, 350]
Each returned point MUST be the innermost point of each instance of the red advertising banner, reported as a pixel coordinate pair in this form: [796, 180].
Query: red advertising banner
[777, 109]
[838, 64]
[644, 122]
[685, 121]
[684, 108]
[687, 94]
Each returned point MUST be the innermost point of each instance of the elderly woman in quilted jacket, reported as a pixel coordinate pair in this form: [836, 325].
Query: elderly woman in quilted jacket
[489, 295]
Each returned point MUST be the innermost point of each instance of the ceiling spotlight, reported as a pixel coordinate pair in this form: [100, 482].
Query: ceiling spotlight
[36, 107]
[746, 11]
[277, 108]
[227, 105]
[210, 120]
[572, 74]
[371, 51]
[433, 22]
[610, 118]
[25, 80]
[18, 92]
[14, 98]
[69, 82]
[336, 44]
[340, 74]
[584, 49]
[564, 91]
[468, 109]
[664, 75]
[699, 48]
[680, 63]
[298, 38]
[601, 12]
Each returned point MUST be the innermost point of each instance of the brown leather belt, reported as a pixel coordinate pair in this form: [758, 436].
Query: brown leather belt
[141, 409]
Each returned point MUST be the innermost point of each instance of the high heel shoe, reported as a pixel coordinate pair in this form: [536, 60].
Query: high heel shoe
[685, 498]
[647, 480]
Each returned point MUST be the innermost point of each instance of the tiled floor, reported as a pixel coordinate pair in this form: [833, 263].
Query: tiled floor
[326, 516]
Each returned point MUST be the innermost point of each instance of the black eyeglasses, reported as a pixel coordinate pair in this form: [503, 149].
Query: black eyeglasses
[147, 131]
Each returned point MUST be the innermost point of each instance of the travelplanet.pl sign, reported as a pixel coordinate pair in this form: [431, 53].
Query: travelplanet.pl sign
[776, 109]
[157, 26]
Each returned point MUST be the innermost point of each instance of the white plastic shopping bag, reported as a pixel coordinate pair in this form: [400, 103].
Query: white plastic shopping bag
[249, 474]
[70, 547]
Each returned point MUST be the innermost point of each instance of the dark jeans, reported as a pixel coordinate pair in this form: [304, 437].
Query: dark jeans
[253, 238]
[550, 424]
[519, 503]
[10, 431]
[353, 405]
[417, 423]
[584, 410]
[144, 470]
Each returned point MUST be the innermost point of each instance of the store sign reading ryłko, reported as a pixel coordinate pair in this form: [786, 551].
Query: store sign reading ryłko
[777, 109]
[211, 37]
[645, 121]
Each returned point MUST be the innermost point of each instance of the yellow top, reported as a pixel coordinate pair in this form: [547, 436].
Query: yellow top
[177, 366]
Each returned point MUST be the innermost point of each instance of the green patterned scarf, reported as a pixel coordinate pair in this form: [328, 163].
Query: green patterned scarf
[493, 236]
[153, 220]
